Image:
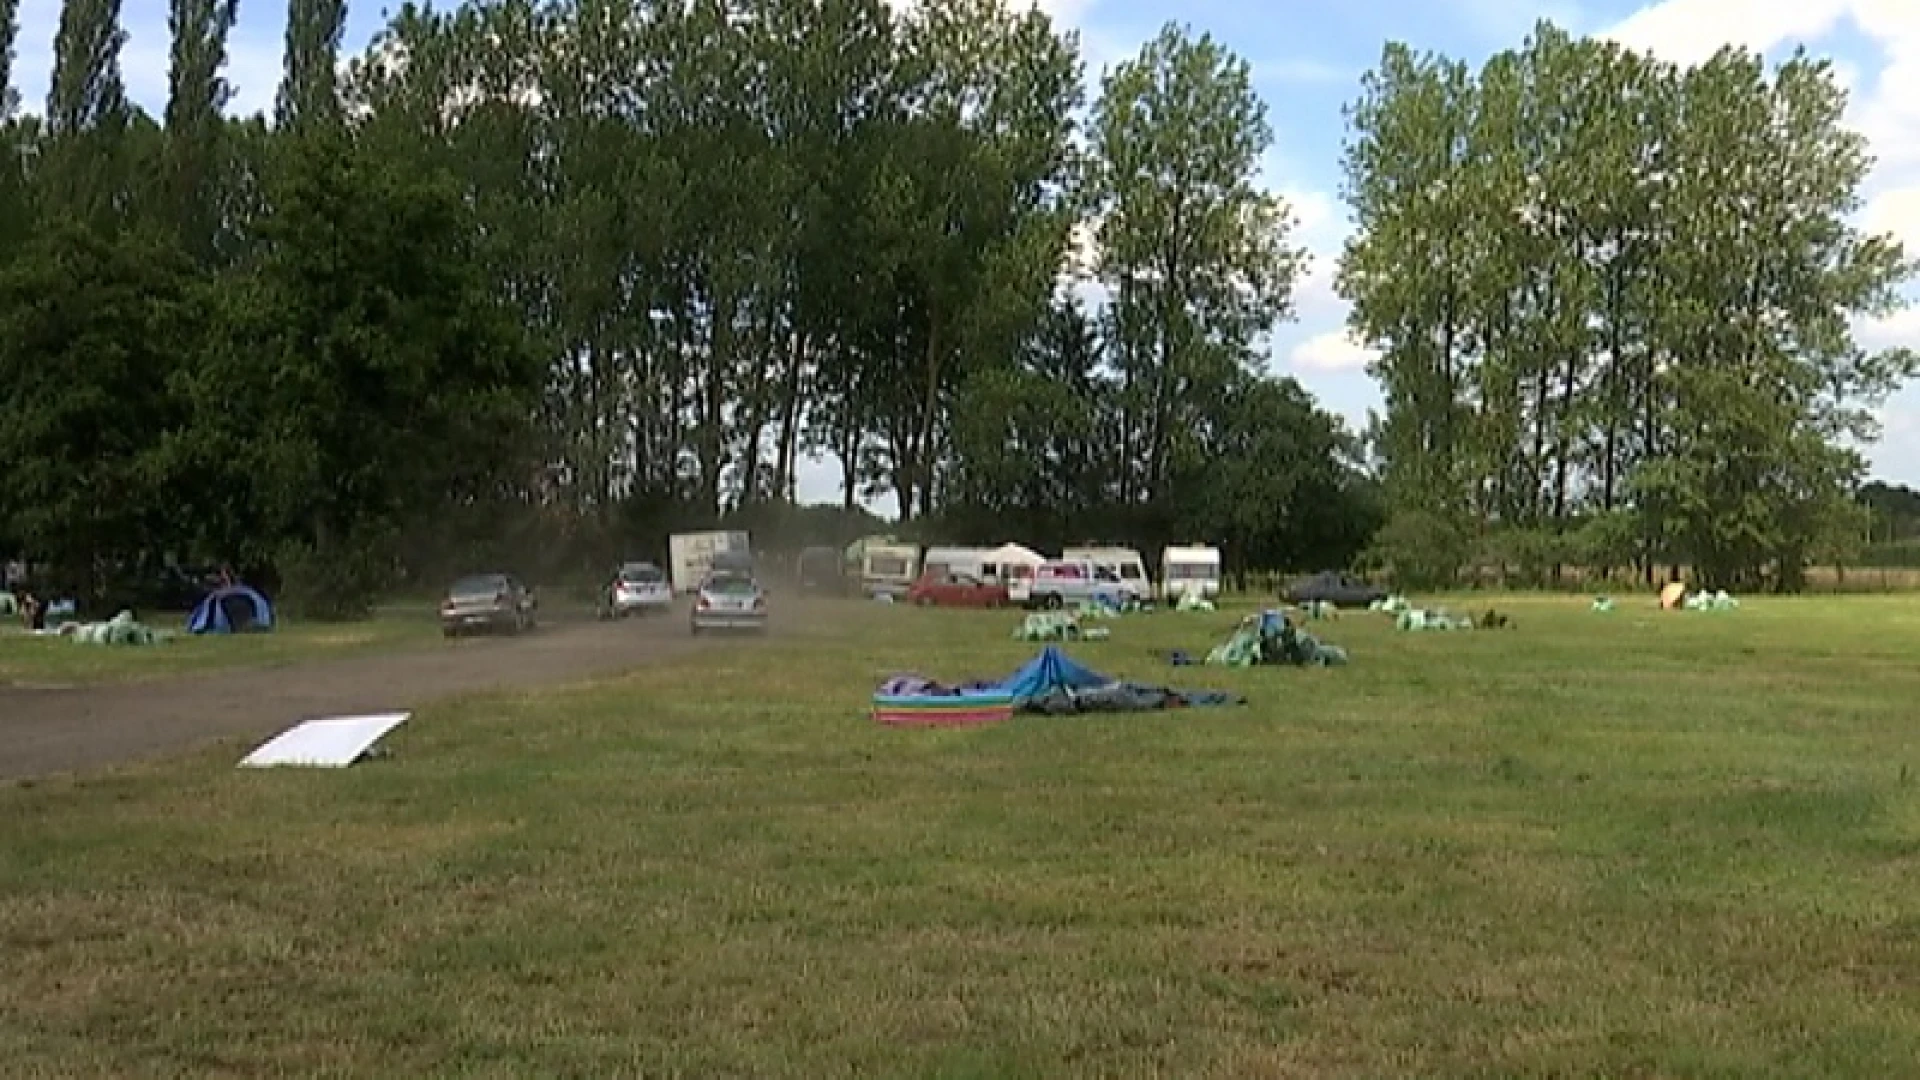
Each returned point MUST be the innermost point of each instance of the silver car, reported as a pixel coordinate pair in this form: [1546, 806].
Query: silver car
[639, 588]
[729, 601]
[487, 602]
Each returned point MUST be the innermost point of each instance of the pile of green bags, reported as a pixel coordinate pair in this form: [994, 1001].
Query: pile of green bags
[1713, 601]
[122, 629]
[1270, 638]
[1048, 626]
[1416, 619]
[1191, 600]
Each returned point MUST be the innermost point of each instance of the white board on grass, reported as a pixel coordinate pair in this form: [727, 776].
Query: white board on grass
[330, 743]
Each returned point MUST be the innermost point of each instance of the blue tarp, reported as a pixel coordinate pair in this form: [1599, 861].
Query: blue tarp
[230, 609]
[1052, 682]
[1051, 670]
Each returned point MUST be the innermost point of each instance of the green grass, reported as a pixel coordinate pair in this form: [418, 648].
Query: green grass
[1633, 844]
[30, 659]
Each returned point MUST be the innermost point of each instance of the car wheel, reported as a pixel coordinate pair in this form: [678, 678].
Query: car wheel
[449, 633]
[1053, 602]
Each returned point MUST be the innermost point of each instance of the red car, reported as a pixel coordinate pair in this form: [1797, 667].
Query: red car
[956, 590]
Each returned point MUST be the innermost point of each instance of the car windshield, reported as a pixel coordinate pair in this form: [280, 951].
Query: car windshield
[479, 585]
[730, 586]
[640, 575]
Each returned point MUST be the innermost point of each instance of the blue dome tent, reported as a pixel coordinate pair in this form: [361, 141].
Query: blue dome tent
[231, 609]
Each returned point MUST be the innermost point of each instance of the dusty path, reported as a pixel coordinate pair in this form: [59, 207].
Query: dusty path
[46, 731]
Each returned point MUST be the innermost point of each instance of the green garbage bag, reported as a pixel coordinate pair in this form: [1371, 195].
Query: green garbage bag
[1048, 626]
[1191, 600]
[1603, 603]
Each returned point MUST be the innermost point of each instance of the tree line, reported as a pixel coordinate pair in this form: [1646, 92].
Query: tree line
[532, 278]
[1613, 301]
[537, 282]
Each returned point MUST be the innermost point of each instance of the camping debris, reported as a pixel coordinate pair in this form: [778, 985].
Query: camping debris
[1048, 626]
[1603, 603]
[1416, 619]
[1320, 609]
[1051, 684]
[1493, 620]
[1713, 601]
[122, 629]
[1191, 600]
[1392, 605]
[1270, 638]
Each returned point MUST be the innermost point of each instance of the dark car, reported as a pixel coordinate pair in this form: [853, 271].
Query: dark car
[1336, 588]
[487, 602]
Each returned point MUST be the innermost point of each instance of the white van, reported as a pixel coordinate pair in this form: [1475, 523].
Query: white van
[1070, 582]
[1123, 561]
[1190, 568]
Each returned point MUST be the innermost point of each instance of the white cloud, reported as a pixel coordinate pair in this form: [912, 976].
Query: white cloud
[1332, 351]
[1901, 329]
[1897, 212]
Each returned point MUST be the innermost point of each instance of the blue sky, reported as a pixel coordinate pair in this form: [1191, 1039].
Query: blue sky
[1307, 58]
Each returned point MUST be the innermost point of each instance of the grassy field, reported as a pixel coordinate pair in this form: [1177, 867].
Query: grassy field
[27, 658]
[1626, 844]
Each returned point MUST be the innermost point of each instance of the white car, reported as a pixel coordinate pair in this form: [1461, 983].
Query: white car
[729, 600]
[638, 588]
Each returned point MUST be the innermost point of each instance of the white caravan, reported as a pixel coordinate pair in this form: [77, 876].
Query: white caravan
[1013, 565]
[1123, 561]
[1192, 568]
[888, 569]
[692, 554]
[968, 561]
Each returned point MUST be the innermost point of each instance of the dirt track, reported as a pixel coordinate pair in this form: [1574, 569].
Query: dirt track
[46, 731]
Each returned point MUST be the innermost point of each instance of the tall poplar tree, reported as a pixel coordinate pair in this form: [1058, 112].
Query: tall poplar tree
[309, 90]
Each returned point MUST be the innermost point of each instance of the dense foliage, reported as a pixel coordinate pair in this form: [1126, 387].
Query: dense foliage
[541, 281]
[533, 282]
[1613, 303]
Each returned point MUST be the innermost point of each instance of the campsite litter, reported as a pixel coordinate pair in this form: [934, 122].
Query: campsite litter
[1191, 600]
[1391, 605]
[1270, 638]
[1603, 603]
[1417, 619]
[333, 742]
[1050, 684]
[122, 629]
[1320, 609]
[1057, 626]
[1713, 601]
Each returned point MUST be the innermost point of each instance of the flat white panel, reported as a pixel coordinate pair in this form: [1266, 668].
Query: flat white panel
[331, 743]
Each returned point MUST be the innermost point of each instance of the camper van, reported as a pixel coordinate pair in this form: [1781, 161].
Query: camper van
[888, 569]
[1191, 568]
[1123, 561]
